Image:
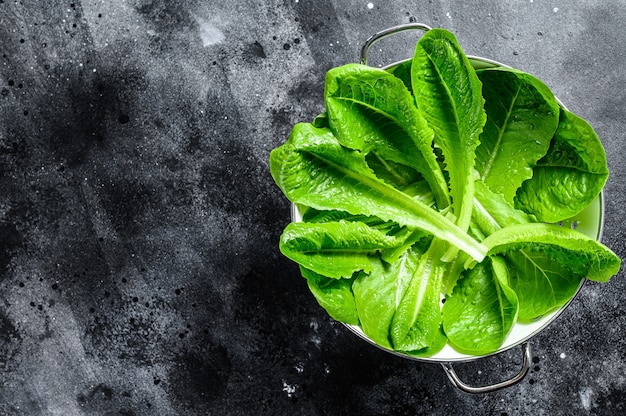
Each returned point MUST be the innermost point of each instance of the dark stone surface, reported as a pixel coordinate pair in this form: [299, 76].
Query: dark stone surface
[139, 268]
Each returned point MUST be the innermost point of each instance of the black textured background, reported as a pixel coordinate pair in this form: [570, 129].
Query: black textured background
[139, 268]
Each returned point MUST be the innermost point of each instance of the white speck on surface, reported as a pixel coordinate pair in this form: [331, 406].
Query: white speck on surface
[448, 15]
[299, 368]
[585, 397]
[315, 340]
[556, 9]
[314, 325]
[370, 6]
[289, 389]
[209, 33]
[562, 356]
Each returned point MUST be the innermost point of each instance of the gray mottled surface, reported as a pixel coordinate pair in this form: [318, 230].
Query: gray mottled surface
[139, 269]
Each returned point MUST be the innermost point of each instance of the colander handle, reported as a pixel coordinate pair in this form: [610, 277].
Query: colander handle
[458, 383]
[384, 33]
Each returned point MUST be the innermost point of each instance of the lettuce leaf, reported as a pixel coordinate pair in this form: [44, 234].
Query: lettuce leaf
[313, 169]
[336, 249]
[580, 254]
[522, 116]
[450, 97]
[371, 110]
[334, 295]
[482, 309]
[417, 321]
[378, 295]
[540, 283]
[570, 175]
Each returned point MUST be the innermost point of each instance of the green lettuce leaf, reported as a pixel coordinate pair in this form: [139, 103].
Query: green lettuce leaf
[580, 254]
[541, 284]
[493, 212]
[378, 294]
[417, 321]
[402, 71]
[397, 175]
[313, 169]
[522, 116]
[336, 249]
[334, 295]
[482, 309]
[371, 110]
[438, 341]
[450, 97]
[570, 176]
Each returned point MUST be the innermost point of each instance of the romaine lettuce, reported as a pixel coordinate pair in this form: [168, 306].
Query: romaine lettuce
[430, 179]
